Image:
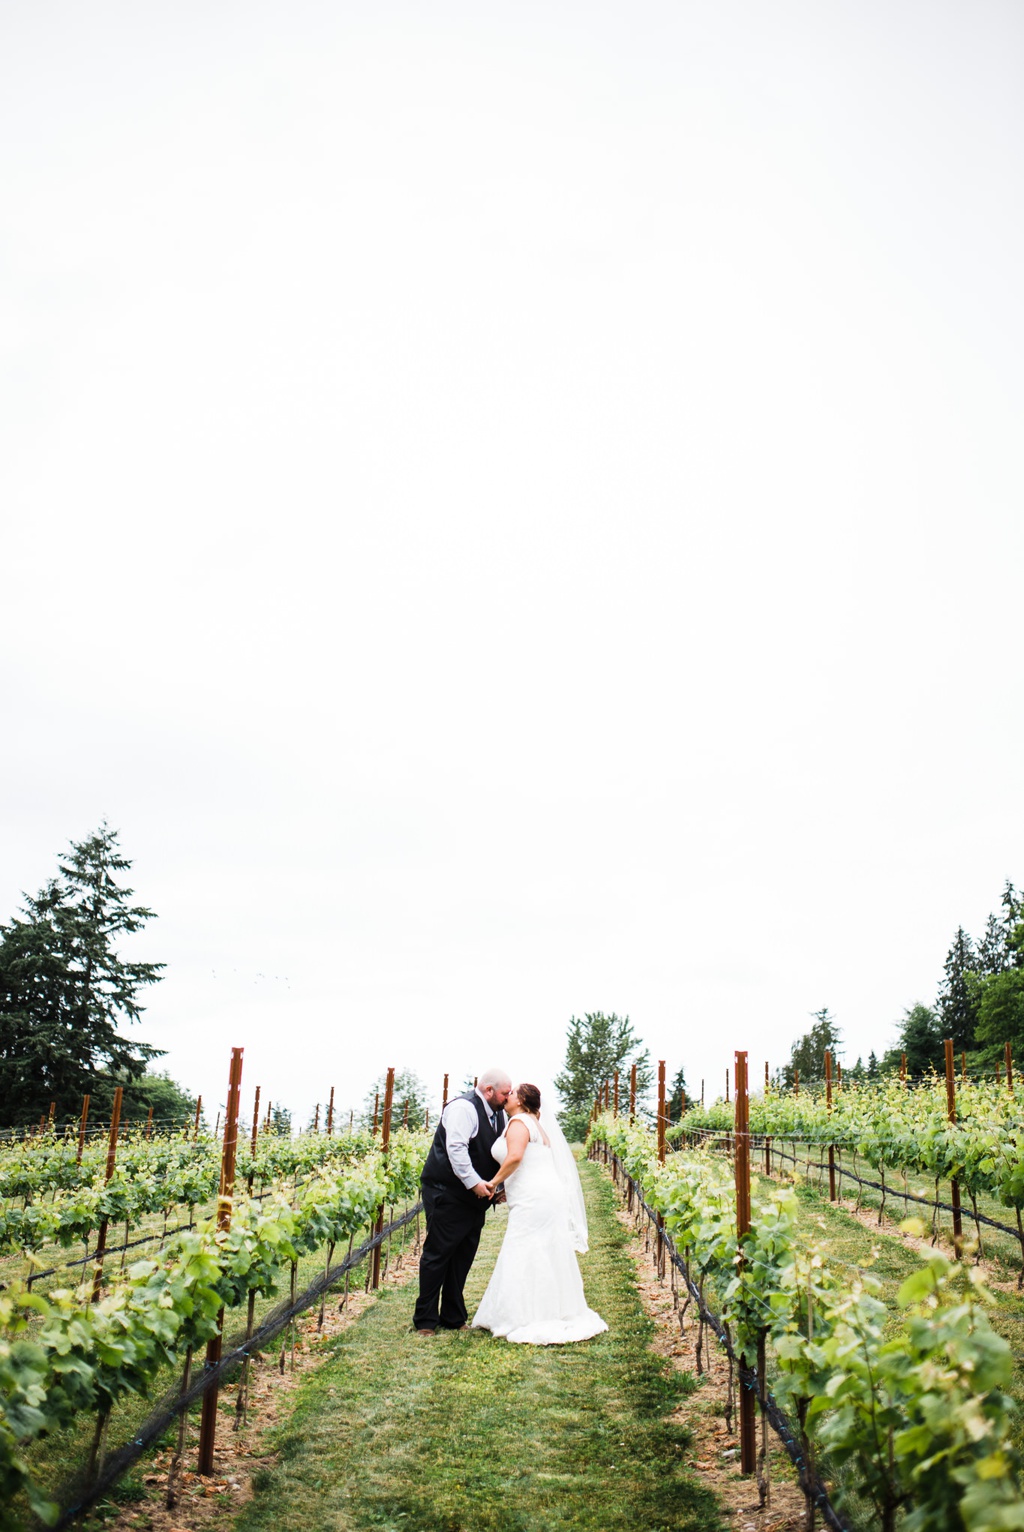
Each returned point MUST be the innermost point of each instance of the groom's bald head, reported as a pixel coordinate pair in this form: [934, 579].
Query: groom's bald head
[494, 1085]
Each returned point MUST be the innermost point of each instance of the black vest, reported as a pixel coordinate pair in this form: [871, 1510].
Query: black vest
[438, 1168]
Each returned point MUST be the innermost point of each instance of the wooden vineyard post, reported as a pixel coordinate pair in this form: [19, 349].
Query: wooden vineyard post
[615, 1094]
[385, 1139]
[831, 1147]
[199, 1108]
[405, 1113]
[330, 1115]
[741, 1161]
[954, 1185]
[903, 1068]
[208, 1421]
[661, 1159]
[767, 1085]
[149, 1124]
[444, 1094]
[632, 1093]
[101, 1238]
[81, 1129]
[727, 1087]
[661, 1110]
[255, 1135]
[702, 1095]
[1008, 1050]
[316, 1119]
[796, 1082]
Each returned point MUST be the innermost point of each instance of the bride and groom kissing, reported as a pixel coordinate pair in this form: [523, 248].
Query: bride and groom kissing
[497, 1143]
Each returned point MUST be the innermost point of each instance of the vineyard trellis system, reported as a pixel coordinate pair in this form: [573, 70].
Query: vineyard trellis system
[85, 1351]
[812, 1486]
[715, 1140]
[78, 1495]
[915, 1418]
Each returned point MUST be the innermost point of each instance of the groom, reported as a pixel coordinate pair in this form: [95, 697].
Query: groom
[456, 1197]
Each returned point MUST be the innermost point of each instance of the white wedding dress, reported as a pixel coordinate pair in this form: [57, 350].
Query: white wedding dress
[535, 1294]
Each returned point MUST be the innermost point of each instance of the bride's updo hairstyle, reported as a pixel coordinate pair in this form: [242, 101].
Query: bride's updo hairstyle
[529, 1097]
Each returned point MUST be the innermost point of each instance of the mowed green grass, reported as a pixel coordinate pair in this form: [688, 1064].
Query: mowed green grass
[468, 1432]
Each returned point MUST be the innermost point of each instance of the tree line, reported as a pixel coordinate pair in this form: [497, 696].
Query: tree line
[65, 990]
[979, 1005]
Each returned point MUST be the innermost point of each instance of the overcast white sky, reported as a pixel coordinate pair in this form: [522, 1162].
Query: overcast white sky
[515, 510]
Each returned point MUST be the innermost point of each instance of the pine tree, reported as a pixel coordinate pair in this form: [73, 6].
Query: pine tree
[993, 955]
[64, 989]
[675, 1090]
[408, 1088]
[596, 1046]
[921, 1039]
[958, 999]
[808, 1053]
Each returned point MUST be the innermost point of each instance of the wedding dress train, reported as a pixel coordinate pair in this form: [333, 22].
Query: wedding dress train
[535, 1294]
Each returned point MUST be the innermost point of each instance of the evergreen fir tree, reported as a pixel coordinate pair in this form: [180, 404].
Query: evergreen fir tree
[921, 1039]
[993, 954]
[596, 1046]
[808, 1053]
[64, 989]
[1013, 912]
[408, 1088]
[675, 1090]
[958, 999]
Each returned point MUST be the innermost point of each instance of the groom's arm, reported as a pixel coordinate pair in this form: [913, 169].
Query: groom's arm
[460, 1125]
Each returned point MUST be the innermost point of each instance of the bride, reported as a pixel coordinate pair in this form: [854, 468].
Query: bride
[536, 1293]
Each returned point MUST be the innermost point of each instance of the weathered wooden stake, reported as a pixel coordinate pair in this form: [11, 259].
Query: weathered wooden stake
[208, 1420]
[741, 1161]
[615, 1094]
[330, 1115]
[831, 1147]
[632, 1092]
[385, 1140]
[199, 1108]
[954, 1185]
[101, 1238]
[81, 1130]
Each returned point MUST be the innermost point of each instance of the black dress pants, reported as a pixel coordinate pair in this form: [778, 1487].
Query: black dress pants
[453, 1234]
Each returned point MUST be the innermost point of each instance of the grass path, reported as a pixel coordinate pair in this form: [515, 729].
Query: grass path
[465, 1432]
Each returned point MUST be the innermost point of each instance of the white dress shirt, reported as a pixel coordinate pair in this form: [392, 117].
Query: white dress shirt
[461, 1123]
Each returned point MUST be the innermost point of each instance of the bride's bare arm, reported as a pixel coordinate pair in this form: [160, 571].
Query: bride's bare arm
[517, 1136]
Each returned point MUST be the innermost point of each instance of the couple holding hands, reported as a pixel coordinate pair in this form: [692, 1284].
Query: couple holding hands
[493, 1144]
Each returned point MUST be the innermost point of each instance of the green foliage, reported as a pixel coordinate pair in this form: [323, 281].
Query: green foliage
[958, 998]
[921, 1038]
[409, 1091]
[918, 1414]
[64, 990]
[807, 1054]
[676, 1090]
[1001, 1009]
[63, 1354]
[596, 1046]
